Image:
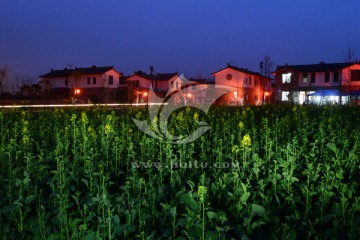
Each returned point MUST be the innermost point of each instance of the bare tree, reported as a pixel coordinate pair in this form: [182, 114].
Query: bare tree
[349, 54]
[265, 66]
[4, 74]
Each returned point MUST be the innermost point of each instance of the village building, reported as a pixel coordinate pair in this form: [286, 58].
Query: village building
[250, 88]
[318, 83]
[92, 84]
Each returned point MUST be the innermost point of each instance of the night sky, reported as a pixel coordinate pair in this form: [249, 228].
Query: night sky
[194, 37]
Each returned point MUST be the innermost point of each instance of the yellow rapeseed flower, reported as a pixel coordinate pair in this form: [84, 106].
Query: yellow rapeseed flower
[196, 116]
[107, 128]
[241, 125]
[235, 149]
[246, 141]
[202, 190]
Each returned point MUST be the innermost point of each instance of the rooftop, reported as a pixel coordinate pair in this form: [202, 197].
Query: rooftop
[320, 67]
[85, 71]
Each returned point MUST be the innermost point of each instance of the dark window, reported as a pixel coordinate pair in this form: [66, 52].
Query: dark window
[94, 80]
[305, 77]
[111, 80]
[312, 77]
[121, 81]
[66, 82]
[88, 81]
[327, 77]
[256, 82]
[355, 75]
[336, 76]
[249, 80]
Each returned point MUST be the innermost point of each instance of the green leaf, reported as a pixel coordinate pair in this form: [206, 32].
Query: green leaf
[245, 197]
[211, 215]
[332, 147]
[188, 199]
[30, 198]
[294, 179]
[291, 235]
[257, 210]
[85, 181]
[211, 235]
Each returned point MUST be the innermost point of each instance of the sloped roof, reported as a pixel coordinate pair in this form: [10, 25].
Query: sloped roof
[156, 77]
[320, 67]
[244, 70]
[85, 71]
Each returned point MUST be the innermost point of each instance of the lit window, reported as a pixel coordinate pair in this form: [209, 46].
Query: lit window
[285, 96]
[305, 77]
[286, 78]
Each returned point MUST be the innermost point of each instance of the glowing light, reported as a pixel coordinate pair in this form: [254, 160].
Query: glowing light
[77, 91]
[266, 93]
[189, 95]
[145, 94]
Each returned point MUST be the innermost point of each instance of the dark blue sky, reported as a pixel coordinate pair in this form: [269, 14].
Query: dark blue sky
[195, 37]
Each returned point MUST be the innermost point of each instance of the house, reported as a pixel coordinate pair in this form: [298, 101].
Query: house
[84, 84]
[161, 83]
[251, 87]
[317, 83]
[197, 90]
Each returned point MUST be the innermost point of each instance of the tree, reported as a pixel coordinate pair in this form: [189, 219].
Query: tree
[265, 66]
[4, 73]
[349, 54]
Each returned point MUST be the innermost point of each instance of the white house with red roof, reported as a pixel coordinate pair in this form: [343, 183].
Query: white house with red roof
[251, 87]
[92, 83]
[161, 83]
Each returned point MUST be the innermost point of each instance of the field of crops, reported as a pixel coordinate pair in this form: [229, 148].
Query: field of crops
[267, 172]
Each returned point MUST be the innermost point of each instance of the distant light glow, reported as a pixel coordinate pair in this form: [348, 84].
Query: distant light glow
[77, 91]
[145, 94]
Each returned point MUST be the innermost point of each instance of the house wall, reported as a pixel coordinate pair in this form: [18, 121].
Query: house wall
[81, 81]
[347, 84]
[102, 90]
[319, 80]
[246, 92]
[157, 85]
[174, 84]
